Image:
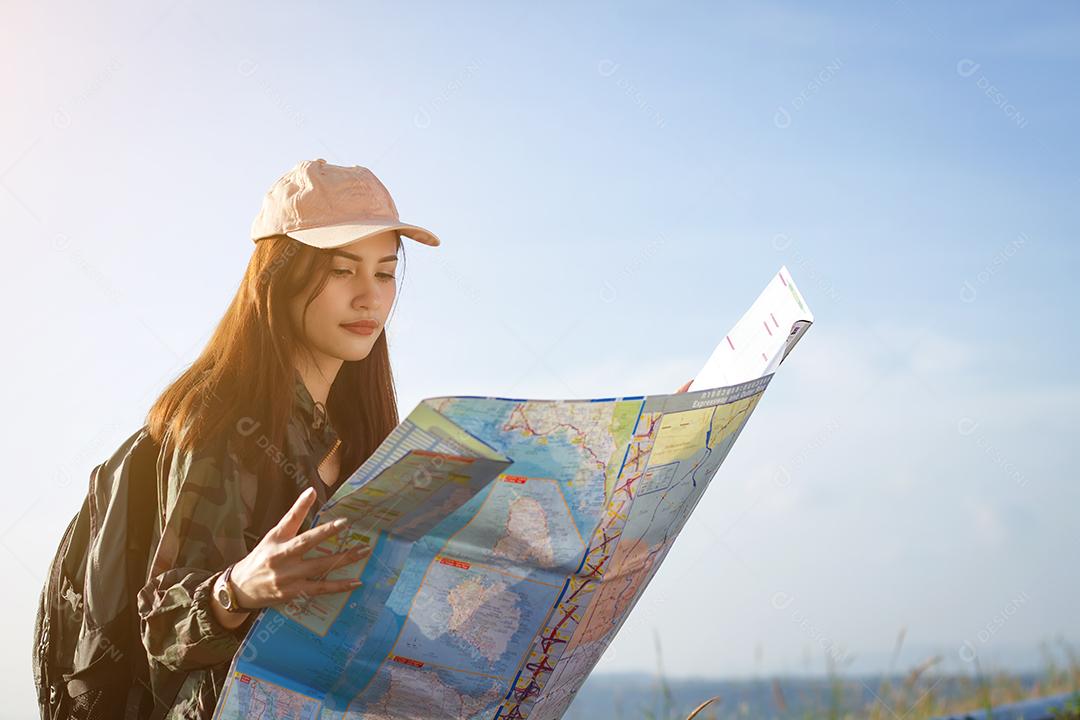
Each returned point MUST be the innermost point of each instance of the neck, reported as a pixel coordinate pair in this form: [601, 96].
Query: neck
[318, 374]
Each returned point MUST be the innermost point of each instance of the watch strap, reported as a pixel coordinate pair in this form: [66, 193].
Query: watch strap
[230, 589]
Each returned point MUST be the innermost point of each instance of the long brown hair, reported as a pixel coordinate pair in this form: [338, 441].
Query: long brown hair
[247, 371]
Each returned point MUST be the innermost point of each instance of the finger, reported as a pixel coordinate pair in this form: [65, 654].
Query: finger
[323, 587]
[303, 542]
[320, 567]
[290, 522]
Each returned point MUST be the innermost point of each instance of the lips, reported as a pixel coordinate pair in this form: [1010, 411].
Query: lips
[361, 327]
[370, 324]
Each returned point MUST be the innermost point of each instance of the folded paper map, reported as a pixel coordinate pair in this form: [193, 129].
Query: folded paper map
[511, 538]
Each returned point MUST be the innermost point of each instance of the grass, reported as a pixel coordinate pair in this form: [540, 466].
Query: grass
[918, 694]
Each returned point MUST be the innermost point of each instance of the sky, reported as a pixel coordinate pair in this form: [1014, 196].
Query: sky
[613, 184]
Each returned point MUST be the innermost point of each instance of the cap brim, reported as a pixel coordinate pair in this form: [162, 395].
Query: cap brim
[334, 236]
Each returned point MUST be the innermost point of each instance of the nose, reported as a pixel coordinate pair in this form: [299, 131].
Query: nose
[366, 294]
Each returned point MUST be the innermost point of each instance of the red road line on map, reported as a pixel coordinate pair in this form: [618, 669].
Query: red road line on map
[454, 563]
[444, 456]
[407, 661]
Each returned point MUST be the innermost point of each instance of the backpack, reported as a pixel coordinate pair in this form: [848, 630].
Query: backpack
[89, 662]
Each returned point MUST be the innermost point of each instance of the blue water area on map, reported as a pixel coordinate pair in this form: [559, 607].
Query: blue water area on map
[387, 609]
[295, 657]
[559, 458]
[525, 526]
[412, 692]
[415, 618]
[474, 619]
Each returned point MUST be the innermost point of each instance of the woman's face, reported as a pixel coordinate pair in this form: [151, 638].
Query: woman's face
[361, 287]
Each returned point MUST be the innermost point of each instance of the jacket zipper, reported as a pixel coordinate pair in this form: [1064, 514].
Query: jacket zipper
[337, 441]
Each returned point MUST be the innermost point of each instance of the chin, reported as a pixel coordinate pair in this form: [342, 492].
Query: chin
[352, 354]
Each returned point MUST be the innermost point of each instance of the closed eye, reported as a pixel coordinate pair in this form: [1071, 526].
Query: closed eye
[343, 272]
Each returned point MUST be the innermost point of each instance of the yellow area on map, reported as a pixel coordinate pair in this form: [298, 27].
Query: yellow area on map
[729, 418]
[681, 434]
[623, 419]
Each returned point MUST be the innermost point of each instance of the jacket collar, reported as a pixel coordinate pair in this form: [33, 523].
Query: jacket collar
[312, 416]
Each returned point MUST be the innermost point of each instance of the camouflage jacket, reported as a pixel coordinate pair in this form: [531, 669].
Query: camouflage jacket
[211, 513]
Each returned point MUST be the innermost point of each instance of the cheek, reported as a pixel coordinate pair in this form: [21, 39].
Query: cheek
[325, 310]
[388, 298]
[333, 302]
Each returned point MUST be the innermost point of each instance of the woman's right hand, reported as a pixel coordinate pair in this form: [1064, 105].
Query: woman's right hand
[276, 572]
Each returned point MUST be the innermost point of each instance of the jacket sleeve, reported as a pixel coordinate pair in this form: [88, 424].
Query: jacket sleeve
[202, 534]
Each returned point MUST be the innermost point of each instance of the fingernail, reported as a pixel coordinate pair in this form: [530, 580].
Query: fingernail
[356, 583]
[340, 522]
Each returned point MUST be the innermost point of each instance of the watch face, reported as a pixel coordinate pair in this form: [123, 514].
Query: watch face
[223, 598]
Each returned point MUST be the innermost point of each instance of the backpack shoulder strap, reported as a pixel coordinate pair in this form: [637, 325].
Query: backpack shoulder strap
[142, 508]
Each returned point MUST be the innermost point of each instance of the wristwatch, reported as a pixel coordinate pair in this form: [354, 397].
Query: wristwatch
[226, 595]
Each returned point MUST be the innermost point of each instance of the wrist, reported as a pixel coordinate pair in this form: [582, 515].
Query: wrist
[226, 594]
[230, 620]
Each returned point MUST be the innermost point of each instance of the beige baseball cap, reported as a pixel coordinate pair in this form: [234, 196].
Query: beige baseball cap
[327, 206]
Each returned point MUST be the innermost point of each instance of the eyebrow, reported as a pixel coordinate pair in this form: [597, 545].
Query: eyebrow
[357, 258]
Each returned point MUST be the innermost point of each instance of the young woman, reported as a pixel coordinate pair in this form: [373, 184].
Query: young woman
[291, 394]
